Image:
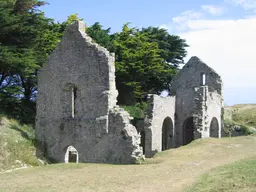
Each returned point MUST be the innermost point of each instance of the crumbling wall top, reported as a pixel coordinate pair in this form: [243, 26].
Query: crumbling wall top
[195, 74]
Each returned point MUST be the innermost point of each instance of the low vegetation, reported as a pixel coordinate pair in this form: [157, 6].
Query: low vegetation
[134, 111]
[231, 126]
[16, 145]
[245, 114]
[239, 176]
[171, 170]
[241, 120]
[205, 165]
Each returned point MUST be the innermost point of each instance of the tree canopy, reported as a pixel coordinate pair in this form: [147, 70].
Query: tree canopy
[146, 59]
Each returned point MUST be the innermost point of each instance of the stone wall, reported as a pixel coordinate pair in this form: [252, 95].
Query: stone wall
[76, 104]
[160, 110]
[214, 111]
[198, 90]
[78, 119]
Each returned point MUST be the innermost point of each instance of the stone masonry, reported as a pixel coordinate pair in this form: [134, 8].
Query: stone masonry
[78, 120]
[160, 111]
[191, 111]
[77, 117]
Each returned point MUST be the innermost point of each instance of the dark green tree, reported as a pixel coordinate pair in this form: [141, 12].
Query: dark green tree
[140, 68]
[100, 35]
[21, 28]
[173, 48]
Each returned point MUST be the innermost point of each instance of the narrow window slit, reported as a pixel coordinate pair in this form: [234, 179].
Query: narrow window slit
[74, 97]
[203, 79]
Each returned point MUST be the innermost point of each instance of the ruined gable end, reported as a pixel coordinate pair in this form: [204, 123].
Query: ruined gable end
[192, 110]
[76, 92]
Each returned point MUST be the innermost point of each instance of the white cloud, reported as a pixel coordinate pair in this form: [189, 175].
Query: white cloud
[181, 22]
[209, 24]
[164, 26]
[187, 15]
[213, 10]
[184, 17]
[228, 46]
[246, 4]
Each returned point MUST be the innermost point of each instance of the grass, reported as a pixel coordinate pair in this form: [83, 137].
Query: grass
[242, 118]
[244, 114]
[171, 170]
[239, 176]
[16, 145]
[226, 164]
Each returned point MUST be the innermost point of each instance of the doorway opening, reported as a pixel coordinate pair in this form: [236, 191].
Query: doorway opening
[167, 134]
[142, 140]
[214, 128]
[188, 131]
[71, 155]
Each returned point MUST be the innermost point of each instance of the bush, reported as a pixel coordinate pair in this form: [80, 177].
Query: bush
[137, 111]
[244, 129]
[231, 126]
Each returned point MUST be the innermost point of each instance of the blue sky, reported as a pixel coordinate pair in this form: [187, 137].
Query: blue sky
[220, 32]
[114, 13]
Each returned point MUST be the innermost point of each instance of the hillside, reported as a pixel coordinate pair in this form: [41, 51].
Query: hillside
[16, 145]
[238, 176]
[244, 114]
[240, 120]
[172, 170]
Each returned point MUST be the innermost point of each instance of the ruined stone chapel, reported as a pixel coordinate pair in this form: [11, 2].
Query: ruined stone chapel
[78, 119]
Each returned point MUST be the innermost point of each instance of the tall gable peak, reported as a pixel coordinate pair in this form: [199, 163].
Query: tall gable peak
[194, 60]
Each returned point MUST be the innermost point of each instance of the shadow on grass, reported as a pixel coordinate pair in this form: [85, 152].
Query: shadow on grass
[22, 132]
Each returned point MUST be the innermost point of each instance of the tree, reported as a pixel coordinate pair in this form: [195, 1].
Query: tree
[173, 48]
[140, 69]
[21, 26]
[100, 36]
[146, 59]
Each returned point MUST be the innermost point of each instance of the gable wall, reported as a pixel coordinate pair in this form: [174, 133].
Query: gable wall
[92, 129]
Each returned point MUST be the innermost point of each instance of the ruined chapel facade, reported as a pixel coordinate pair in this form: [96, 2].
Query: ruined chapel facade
[78, 120]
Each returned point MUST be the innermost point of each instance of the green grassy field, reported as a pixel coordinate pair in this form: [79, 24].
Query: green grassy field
[172, 170]
[239, 176]
[205, 165]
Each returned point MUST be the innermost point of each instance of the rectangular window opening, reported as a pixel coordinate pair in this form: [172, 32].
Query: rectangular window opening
[203, 79]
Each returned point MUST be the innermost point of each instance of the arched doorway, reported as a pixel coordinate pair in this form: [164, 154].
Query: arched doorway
[167, 134]
[214, 128]
[188, 131]
[71, 155]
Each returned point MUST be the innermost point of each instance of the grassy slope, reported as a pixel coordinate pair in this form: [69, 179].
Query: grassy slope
[172, 170]
[239, 176]
[16, 145]
[244, 114]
